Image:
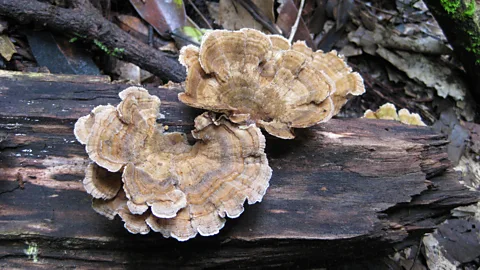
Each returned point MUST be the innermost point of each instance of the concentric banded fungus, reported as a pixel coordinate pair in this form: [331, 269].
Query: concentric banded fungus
[168, 185]
[253, 77]
[225, 168]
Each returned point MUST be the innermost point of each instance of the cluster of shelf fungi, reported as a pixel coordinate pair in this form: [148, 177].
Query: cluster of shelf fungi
[335, 187]
[158, 181]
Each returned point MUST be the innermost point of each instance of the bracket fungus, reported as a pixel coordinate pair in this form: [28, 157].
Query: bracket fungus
[263, 79]
[388, 112]
[156, 180]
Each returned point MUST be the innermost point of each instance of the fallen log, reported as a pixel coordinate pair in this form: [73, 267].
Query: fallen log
[336, 189]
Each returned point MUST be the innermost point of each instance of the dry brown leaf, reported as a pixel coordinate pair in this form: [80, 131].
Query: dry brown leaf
[164, 16]
[7, 49]
[233, 16]
[287, 14]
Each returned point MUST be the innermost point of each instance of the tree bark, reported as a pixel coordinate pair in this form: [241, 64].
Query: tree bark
[87, 22]
[336, 189]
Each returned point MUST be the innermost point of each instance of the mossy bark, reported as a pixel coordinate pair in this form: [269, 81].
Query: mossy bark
[460, 21]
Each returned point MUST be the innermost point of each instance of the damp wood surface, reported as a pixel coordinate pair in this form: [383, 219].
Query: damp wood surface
[336, 189]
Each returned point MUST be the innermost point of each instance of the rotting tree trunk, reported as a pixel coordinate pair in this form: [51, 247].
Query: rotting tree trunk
[86, 21]
[460, 22]
[336, 189]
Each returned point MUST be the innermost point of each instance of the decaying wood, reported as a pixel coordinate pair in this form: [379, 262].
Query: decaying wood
[336, 189]
[87, 22]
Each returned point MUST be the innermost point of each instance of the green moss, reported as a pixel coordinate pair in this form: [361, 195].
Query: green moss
[116, 52]
[31, 251]
[451, 6]
[474, 47]
[455, 9]
[470, 10]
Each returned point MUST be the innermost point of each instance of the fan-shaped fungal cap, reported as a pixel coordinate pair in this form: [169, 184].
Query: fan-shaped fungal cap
[253, 77]
[118, 206]
[174, 188]
[225, 168]
[126, 138]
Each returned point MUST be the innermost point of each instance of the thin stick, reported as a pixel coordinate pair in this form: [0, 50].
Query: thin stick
[199, 13]
[295, 26]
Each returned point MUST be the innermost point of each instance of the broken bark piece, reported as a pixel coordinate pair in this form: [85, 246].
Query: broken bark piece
[164, 178]
[258, 78]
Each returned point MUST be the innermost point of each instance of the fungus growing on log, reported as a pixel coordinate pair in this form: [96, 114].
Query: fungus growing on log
[262, 79]
[168, 185]
[388, 112]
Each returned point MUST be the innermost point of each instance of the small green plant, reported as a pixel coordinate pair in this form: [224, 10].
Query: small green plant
[116, 52]
[450, 6]
[470, 10]
[32, 251]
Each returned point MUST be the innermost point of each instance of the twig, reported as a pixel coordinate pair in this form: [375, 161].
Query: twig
[295, 25]
[85, 21]
[199, 13]
[258, 15]
[417, 253]
[189, 20]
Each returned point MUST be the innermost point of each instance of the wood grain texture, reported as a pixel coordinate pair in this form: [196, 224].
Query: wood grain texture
[337, 188]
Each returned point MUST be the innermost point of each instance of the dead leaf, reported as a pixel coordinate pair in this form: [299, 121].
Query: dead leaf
[3, 26]
[188, 35]
[287, 14]
[232, 16]
[132, 25]
[7, 49]
[137, 28]
[266, 6]
[60, 55]
[457, 135]
[127, 71]
[317, 19]
[427, 71]
[164, 16]
[390, 39]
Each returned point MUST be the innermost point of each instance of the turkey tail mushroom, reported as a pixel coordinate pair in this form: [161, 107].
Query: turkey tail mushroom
[251, 76]
[157, 180]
